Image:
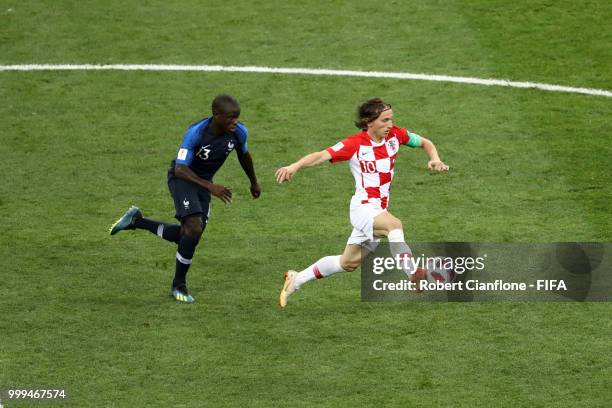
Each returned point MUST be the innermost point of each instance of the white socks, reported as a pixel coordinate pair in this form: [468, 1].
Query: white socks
[325, 266]
[399, 247]
[329, 265]
[396, 235]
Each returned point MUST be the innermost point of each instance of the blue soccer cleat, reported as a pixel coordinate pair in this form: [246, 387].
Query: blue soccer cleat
[181, 294]
[126, 221]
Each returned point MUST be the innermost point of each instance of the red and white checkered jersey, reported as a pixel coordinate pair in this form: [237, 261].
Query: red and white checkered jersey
[371, 163]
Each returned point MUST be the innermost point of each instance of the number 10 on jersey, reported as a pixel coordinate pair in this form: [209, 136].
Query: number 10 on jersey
[367, 166]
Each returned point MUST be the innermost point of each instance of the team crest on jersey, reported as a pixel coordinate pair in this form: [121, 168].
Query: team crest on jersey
[230, 146]
[392, 146]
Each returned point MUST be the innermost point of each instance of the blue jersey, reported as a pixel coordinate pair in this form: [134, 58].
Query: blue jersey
[205, 152]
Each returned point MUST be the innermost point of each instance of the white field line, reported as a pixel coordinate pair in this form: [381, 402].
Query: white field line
[308, 71]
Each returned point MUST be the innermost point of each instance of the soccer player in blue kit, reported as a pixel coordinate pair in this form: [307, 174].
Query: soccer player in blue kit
[205, 147]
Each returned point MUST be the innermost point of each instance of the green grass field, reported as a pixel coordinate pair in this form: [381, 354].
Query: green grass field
[90, 313]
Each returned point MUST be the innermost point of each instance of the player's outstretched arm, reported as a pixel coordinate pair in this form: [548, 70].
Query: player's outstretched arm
[313, 159]
[434, 160]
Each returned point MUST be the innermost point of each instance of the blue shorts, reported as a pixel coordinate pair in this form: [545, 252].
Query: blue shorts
[189, 199]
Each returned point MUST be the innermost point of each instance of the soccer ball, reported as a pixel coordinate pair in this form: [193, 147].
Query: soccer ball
[436, 272]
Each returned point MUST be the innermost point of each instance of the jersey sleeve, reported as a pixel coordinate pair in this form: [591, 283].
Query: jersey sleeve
[408, 138]
[242, 134]
[186, 151]
[343, 150]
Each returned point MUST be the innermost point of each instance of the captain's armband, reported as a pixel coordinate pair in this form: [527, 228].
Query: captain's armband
[414, 140]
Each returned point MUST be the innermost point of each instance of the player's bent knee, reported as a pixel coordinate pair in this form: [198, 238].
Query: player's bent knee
[193, 227]
[349, 266]
[385, 224]
[194, 233]
[395, 224]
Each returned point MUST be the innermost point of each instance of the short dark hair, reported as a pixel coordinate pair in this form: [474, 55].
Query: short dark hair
[224, 104]
[370, 110]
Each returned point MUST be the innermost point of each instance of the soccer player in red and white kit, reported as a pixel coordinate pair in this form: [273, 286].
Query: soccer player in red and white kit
[371, 155]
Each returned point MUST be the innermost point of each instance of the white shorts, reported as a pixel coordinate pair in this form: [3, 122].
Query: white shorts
[362, 219]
